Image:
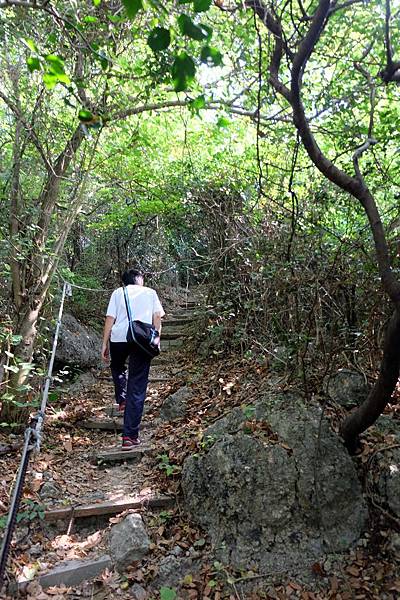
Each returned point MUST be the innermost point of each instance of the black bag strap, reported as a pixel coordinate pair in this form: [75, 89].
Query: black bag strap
[129, 312]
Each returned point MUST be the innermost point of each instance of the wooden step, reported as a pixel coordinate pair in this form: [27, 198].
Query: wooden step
[110, 507]
[116, 454]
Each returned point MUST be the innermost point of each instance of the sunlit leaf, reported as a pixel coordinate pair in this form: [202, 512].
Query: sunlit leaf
[33, 63]
[197, 104]
[223, 122]
[85, 115]
[56, 63]
[30, 44]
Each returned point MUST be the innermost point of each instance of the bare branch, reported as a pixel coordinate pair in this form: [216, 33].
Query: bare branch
[357, 154]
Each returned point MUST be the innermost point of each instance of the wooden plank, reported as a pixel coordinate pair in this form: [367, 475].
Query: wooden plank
[112, 507]
[68, 573]
[117, 454]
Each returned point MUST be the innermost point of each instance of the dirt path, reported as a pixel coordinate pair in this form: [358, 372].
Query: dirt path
[68, 473]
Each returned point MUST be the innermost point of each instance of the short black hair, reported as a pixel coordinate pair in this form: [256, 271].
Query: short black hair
[131, 276]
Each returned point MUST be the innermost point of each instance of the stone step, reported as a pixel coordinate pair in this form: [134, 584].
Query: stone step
[109, 424]
[113, 412]
[69, 573]
[110, 507]
[166, 334]
[115, 454]
[168, 344]
[177, 321]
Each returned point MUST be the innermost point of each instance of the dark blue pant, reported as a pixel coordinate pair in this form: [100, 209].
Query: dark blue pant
[133, 391]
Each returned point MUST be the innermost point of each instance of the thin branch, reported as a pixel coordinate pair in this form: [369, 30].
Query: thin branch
[29, 129]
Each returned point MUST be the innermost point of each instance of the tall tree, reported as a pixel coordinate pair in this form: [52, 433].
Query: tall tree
[297, 35]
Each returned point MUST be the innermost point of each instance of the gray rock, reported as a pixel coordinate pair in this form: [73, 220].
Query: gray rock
[277, 501]
[78, 345]
[172, 570]
[82, 382]
[387, 425]
[347, 388]
[138, 592]
[394, 542]
[128, 541]
[36, 550]
[389, 480]
[50, 490]
[175, 406]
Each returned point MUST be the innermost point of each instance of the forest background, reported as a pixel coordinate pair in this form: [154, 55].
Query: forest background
[249, 146]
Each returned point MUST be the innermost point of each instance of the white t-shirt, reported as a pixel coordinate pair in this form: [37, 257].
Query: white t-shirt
[144, 303]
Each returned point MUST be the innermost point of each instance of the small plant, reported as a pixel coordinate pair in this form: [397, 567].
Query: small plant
[31, 510]
[165, 465]
[207, 442]
[165, 516]
[248, 411]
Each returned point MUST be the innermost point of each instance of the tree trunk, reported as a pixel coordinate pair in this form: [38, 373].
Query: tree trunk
[365, 415]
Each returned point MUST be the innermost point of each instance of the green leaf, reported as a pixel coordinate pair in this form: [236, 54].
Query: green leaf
[167, 593]
[33, 63]
[197, 104]
[90, 19]
[202, 5]
[30, 44]
[187, 27]
[211, 56]
[85, 115]
[96, 2]
[56, 64]
[223, 122]
[159, 39]
[200, 543]
[183, 71]
[132, 7]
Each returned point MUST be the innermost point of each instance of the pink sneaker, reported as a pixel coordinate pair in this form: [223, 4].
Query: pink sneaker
[128, 443]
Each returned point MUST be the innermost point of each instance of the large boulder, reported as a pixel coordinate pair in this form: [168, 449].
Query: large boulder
[128, 541]
[78, 345]
[175, 405]
[347, 388]
[276, 491]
